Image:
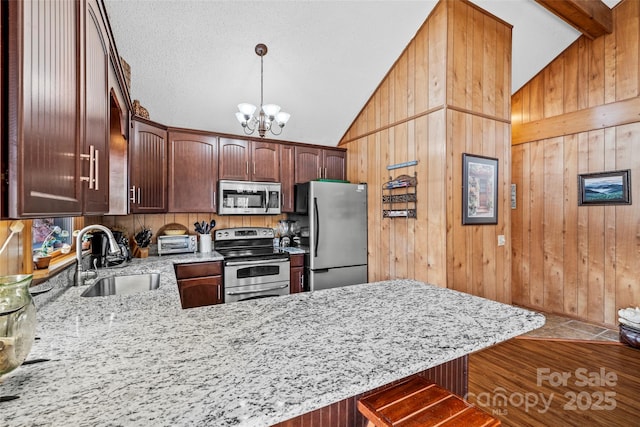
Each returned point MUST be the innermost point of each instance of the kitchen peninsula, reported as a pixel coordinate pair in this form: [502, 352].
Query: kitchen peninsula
[141, 360]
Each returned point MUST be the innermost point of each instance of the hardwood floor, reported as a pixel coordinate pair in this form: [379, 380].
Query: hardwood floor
[539, 382]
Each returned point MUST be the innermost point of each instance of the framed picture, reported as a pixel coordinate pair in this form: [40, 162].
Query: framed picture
[479, 190]
[605, 188]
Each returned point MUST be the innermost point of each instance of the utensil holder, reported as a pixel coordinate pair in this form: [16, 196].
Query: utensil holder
[205, 243]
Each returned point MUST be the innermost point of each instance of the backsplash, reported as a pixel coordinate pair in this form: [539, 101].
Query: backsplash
[134, 223]
[13, 260]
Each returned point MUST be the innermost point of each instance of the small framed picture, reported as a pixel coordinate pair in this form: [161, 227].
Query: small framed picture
[605, 188]
[479, 190]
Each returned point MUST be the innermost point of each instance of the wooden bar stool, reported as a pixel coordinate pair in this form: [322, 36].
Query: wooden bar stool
[418, 402]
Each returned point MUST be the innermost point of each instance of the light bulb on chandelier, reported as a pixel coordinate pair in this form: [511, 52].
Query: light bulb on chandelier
[269, 117]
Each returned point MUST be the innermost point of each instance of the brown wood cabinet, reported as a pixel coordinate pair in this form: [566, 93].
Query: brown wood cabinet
[45, 106]
[334, 164]
[147, 167]
[245, 160]
[316, 163]
[287, 177]
[297, 273]
[57, 114]
[193, 172]
[200, 283]
[95, 165]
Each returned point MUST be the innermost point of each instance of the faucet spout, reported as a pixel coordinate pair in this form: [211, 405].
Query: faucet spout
[114, 249]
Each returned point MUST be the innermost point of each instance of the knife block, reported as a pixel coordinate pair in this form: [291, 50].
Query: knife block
[137, 251]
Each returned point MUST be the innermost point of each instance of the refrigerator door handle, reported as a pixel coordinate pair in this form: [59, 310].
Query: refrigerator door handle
[317, 220]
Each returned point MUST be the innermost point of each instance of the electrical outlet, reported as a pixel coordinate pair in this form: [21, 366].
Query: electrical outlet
[501, 240]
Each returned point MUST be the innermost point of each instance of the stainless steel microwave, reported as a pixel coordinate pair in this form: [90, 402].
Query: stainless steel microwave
[249, 198]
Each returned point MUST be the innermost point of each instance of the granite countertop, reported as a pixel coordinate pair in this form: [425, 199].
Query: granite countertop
[142, 360]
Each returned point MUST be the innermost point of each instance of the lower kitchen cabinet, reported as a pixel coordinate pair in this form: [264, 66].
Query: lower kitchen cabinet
[200, 283]
[297, 273]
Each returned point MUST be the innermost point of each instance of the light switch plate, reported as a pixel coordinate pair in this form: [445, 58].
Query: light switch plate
[501, 240]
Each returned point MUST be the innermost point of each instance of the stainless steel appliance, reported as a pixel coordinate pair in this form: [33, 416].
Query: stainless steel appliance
[252, 267]
[336, 216]
[177, 244]
[249, 198]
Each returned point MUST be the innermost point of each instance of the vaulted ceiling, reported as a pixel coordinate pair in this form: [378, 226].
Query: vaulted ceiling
[193, 61]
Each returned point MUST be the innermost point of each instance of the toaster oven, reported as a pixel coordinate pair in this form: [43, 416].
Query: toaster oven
[177, 244]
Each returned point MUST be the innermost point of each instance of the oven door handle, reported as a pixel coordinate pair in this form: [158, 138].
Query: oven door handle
[259, 290]
[262, 261]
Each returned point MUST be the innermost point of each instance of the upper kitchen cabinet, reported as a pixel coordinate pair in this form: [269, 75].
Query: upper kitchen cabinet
[97, 105]
[193, 172]
[56, 155]
[147, 167]
[316, 163]
[45, 107]
[287, 162]
[334, 163]
[243, 160]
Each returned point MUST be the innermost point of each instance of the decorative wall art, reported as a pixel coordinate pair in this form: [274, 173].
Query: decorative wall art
[605, 188]
[479, 190]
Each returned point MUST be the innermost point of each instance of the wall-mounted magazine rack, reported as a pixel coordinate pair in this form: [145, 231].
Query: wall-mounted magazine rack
[399, 195]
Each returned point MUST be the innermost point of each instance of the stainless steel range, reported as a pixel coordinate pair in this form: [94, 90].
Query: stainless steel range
[252, 267]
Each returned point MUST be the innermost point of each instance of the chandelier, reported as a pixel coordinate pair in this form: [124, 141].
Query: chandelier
[269, 117]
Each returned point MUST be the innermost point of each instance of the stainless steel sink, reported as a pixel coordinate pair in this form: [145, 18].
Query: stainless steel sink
[123, 285]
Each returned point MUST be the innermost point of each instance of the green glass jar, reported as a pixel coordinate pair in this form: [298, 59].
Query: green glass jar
[17, 321]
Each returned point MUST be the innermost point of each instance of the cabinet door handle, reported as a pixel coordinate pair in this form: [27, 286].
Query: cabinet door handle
[302, 280]
[319, 172]
[132, 199]
[214, 199]
[91, 166]
[325, 172]
[91, 157]
[139, 195]
[247, 166]
[254, 168]
[96, 176]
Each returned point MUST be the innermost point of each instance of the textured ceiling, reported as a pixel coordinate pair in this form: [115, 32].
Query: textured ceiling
[192, 61]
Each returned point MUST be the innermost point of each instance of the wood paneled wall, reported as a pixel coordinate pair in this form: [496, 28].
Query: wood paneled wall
[447, 94]
[134, 223]
[580, 261]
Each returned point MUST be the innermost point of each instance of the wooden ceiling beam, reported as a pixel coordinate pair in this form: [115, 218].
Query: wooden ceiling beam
[592, 18]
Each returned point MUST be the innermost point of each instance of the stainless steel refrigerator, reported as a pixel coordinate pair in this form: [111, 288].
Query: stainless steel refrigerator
[333, 220]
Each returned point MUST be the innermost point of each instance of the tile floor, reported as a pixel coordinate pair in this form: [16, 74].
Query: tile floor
[567, 328]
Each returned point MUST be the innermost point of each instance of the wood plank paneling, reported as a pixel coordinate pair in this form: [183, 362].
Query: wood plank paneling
[458, 66]
[627, 31]
[576, 254]
[586, 253]
[570, 229]
[553, 253]
[628, 221]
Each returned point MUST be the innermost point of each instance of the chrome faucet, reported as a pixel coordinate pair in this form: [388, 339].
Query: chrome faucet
[114, 249]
